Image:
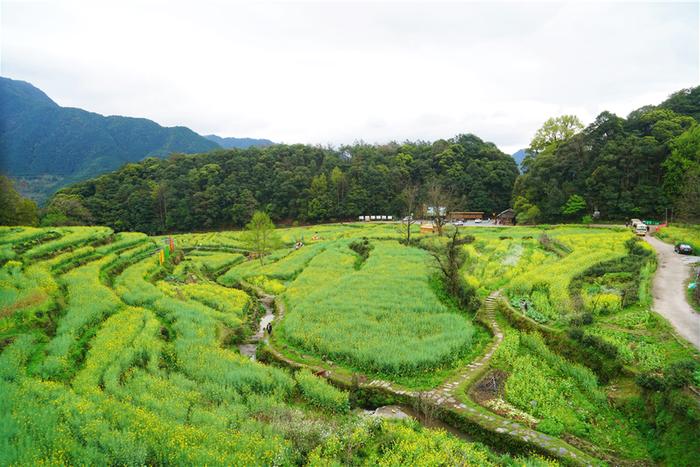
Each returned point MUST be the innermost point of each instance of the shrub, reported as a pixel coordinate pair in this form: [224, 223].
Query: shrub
[551, 427]
[361, 247]
[321, 394]
[582, 319]
[651, 381]
[680, 374]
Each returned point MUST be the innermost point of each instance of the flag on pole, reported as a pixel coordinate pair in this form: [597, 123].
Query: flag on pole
[172, 245]
[161, 257]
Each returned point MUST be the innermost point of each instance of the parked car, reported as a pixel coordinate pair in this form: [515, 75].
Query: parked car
[458, 223]
[477, 221]
[683, 249]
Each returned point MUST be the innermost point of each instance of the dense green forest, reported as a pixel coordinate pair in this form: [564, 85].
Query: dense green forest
[639, 166]
[633, 167]
[299, 182]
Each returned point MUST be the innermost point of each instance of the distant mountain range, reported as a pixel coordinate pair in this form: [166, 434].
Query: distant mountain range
[239, 143]
[519, 156]
[44, 146]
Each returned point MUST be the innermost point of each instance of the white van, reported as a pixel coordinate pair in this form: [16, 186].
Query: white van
[641, 229]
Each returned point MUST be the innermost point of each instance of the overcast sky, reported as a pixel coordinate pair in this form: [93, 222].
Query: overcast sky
[333, 73]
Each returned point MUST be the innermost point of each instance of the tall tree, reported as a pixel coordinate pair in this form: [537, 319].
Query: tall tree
[260, 236]
[66, 209]
[320, 204]
[574, 205]
[339, 185]
[684, 157]
[160, 201]
[688, 203]
[243, 207]
[555, 131]
[409, 196]
[449, 258]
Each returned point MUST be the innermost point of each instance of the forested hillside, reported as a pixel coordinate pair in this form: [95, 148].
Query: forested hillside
[638, 166]
[633, 167]
[47, 146]
[223, 188]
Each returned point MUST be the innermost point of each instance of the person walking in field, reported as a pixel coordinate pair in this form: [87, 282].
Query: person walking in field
[268, 328]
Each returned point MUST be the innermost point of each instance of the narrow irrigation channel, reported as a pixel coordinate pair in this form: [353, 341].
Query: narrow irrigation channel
[398, 412]
[250, 348]
[446, 407]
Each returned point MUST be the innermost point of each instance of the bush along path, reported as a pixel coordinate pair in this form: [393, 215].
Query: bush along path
[450, 401]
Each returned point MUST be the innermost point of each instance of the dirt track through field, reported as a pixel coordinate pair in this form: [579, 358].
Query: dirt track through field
[670, 299]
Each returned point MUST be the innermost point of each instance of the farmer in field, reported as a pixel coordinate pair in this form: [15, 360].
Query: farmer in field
[269, 328]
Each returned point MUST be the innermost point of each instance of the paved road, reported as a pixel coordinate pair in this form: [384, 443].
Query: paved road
[670, 299]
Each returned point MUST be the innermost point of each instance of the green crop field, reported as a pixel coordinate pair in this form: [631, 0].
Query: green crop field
[587, 291]
[394, 326]
[110, 358]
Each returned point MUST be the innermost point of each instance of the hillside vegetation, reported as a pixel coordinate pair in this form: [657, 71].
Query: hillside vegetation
[110, 357]
[223, 188]
[47, 146]
[107, 357]
[621, 168]
[624, 167]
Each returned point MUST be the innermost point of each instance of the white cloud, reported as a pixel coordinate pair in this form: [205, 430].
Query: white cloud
[339, 72]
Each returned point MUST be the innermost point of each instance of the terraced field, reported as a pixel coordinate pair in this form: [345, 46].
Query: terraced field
[584, 294]
[109, 357]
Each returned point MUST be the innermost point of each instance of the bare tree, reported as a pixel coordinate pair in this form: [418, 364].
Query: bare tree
[439, 202]
[409, 195]
[449, 259]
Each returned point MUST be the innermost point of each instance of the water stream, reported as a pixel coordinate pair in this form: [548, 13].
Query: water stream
[403, 412]
[398, 412]
[249, 348]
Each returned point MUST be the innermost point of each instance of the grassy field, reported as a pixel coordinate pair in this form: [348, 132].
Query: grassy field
[395, 326]
[107, 357]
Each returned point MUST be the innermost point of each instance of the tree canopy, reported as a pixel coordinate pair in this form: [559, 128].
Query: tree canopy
[633, 167]
[259, 235]
[622, 167]
[554, 131]
[223, 188]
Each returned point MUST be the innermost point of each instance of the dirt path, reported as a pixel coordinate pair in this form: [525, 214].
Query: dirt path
[670, 299]
[448, 397]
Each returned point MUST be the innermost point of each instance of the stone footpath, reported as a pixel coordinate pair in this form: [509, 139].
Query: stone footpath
[450, 394]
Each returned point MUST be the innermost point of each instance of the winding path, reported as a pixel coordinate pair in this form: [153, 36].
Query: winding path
[670, 299]
[452, 395]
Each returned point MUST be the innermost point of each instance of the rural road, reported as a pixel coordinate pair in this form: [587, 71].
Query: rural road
[669, 291]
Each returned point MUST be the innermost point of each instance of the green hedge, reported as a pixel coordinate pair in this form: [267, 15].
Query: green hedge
[321, 394]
